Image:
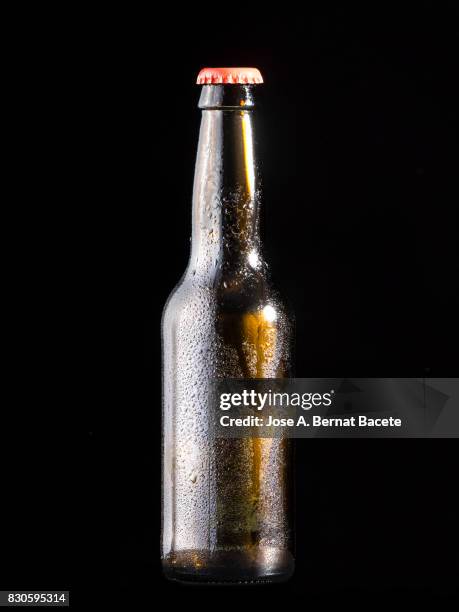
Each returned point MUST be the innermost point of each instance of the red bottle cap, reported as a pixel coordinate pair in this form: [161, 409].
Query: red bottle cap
[229, 76]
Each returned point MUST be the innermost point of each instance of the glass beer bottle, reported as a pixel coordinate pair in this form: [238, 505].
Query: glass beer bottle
[226, 503]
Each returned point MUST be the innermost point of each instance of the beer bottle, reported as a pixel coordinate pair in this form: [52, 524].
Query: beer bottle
[226, 503]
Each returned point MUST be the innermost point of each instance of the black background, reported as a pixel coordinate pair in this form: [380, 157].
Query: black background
[358, 142]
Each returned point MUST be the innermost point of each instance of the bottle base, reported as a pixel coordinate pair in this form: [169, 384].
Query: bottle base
[264, 565]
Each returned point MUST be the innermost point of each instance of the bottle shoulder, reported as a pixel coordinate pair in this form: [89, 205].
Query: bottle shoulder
[236, 295]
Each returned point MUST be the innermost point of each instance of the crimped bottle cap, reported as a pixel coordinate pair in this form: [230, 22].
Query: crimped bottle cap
[229, 76]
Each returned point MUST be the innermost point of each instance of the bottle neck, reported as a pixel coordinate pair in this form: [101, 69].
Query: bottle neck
[225, 235]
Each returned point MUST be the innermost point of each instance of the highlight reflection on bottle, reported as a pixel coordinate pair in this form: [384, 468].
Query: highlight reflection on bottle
[226, 512]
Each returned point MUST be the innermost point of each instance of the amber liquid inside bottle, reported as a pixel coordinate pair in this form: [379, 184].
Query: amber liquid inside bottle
[226, 502]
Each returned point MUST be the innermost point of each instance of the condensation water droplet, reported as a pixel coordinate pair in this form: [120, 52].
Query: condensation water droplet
[193, 476]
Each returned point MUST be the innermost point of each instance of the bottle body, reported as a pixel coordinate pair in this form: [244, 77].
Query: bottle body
[226, 502]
